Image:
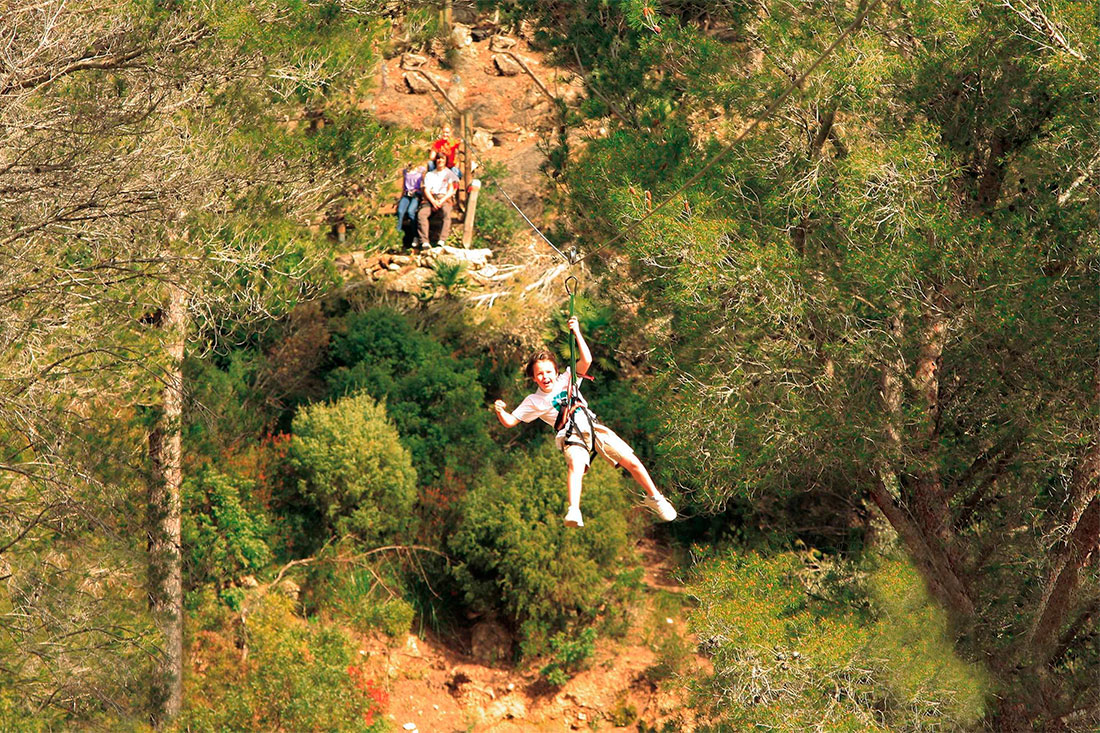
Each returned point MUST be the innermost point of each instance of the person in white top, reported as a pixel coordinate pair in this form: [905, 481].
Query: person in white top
[574, 440]
[439, 190]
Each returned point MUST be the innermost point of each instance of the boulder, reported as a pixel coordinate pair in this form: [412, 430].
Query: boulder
[410, 280]
[413, 60]
[475, 257]
[416, 84]
[501, 43]
[505, 66]
[482, 140]
[460, 35]
[511, 708]
[290, 589]
[490, 642]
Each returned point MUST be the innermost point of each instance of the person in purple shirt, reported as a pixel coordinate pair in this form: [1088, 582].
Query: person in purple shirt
[413, 181]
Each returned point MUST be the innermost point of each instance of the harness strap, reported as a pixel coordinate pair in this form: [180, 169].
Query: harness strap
[571, 428]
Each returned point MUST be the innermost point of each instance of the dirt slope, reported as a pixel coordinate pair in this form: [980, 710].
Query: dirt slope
[438, 687]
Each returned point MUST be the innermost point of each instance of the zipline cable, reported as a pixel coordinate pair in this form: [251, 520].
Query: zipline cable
[771, 109]
[572, 338]
[531, 224]
[776, 104]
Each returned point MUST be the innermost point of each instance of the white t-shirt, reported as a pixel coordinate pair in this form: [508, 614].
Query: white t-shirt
[545, 405]
[440, 181]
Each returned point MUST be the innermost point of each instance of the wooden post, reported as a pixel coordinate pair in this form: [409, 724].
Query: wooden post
[446, 15]
[471, 210]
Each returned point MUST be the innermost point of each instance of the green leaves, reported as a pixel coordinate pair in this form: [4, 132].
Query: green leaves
[224, 538]
[350, 463]
[514, 557]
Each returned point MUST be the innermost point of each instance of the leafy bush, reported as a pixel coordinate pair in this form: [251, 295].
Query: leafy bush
[496, 221]
[349, 462]
[223, 537]
[571, 652]
[514, 558]
[296, 676]
[798, 644]
[222, 408]
[435, 400]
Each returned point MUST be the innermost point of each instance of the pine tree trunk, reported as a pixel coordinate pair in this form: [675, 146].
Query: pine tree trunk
[165, 575]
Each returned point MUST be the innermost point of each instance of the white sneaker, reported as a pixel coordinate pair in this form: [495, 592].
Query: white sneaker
[439, 243]
[573, 517]
[659, 505]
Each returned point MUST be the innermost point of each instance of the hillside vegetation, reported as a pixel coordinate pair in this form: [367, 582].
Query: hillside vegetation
[240, 478]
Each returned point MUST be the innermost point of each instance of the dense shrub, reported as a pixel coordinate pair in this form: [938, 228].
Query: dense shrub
[435, 400]
[222, 406]
[349, 462]
[298, 675]
[223, 537]
[497, 223]
[514, 557]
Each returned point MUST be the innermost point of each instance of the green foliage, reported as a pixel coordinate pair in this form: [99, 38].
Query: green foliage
[513, 556]
[224, 538]
[422, 24]
[497, 222]
[222, 409]
[861, 291]
[434, 399]
[798, 642]
[350, 463]
[394, 617]
[358, 596]
[298, 675]
[53, 592]
[623, 714]
[449, 276]
[570, 652]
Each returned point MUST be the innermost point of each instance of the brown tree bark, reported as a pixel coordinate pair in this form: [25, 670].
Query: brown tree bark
[163, 516]
[1082, 541]
[920, 515]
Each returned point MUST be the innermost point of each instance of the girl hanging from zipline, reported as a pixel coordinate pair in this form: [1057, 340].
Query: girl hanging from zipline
[558, 402]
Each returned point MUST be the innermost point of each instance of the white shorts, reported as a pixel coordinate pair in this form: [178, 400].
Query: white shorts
[609, 445]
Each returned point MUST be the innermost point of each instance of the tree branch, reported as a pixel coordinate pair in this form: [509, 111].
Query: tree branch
[1061, 583]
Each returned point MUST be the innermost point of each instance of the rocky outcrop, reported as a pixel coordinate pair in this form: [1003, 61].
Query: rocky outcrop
[411, 273]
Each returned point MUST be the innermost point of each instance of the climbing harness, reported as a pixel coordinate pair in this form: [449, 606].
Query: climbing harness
[567, 413]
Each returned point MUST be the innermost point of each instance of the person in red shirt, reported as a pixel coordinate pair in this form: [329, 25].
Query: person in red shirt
[445, 149]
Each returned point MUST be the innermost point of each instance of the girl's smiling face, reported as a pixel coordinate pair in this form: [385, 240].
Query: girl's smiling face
[544, 373]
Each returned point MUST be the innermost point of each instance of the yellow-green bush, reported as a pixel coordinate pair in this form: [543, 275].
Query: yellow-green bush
[801, 644]
[298, 675]
[350, 463]
[355, 596]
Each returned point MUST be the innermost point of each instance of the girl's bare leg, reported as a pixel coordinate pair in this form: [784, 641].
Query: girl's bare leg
[637, 470]
[574, 478]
